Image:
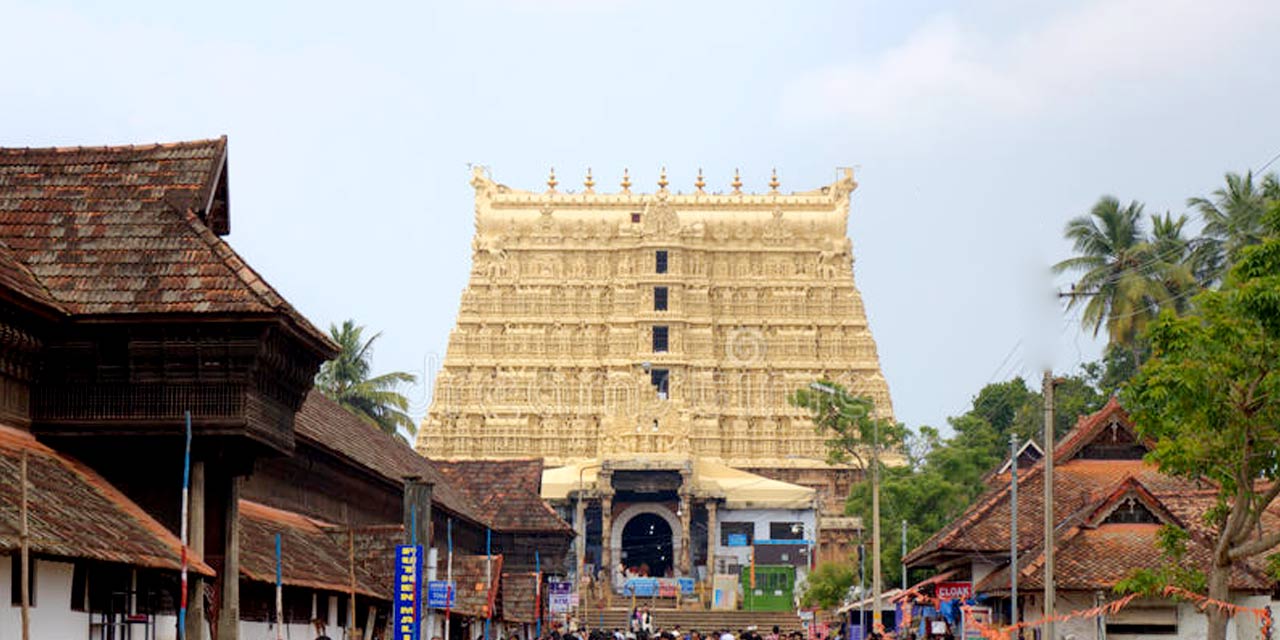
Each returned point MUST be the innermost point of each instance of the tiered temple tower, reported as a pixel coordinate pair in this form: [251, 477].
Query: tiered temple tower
[600, 325]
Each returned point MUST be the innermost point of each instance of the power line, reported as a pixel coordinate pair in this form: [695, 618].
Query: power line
[1268, 163]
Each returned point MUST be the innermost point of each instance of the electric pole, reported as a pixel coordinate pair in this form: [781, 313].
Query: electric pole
[1013, 528]
[1050, 590]
[875, 528]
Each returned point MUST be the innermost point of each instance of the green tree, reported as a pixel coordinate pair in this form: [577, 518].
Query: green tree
[1210, 398]
[828, 585]
[1122, 282]
[346, 379]
[849, 423]
[853, 432]
[1232, 218]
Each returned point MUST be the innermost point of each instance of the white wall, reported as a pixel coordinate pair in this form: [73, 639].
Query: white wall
[51, 617]
[760, 519]
[267, 631]
[1192, 624]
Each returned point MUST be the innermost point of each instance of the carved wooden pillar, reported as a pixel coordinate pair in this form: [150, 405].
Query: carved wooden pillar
[229, 613]
[196, 624]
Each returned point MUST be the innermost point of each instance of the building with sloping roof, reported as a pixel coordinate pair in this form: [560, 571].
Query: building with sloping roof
[1110, 505]
[122, 311]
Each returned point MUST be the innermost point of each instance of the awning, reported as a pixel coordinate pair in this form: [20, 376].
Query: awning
[887, 598]
[740, 489]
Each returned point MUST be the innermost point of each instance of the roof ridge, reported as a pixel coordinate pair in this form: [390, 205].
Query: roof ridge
[182, 144]
[48, 298]
[250, 277]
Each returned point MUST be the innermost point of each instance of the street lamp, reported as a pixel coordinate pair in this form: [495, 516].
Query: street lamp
[875, 504]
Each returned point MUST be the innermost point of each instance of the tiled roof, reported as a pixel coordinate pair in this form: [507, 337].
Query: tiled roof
[314, 554]
[327, 424]
[508, 493]
[126, 230]
[1092, 554]
[75, 513]
[1079, 483]
[469, 574]
[16, 277]
[519, 597]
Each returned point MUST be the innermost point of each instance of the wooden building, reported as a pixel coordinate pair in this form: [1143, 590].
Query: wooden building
[121, 309]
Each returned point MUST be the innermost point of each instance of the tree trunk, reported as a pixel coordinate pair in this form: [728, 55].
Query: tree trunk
[1218, 590]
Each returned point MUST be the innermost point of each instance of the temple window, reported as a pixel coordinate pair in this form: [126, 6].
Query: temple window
[659, 298]
[660, 339]
[660, 261]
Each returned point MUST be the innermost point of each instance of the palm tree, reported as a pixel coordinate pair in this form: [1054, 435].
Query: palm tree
[1122, 281]
[1176, 260]
[1233, 218]
[345, 379]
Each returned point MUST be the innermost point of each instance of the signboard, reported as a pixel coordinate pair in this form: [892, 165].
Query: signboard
[974, 617]
[440, 594]
[955, 590]
[737, 540]
[408, 589]
[657, 587]
[561, 597]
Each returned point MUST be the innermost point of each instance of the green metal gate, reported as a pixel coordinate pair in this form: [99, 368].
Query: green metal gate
[773, 591]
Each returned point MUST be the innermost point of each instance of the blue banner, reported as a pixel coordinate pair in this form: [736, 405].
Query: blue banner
[408, 591]
[440, 594]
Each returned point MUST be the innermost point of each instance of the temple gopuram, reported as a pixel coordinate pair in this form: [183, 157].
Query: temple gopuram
[644, 345]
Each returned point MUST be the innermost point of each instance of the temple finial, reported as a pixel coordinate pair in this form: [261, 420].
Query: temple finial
[551, 180]
[737, 182]
[589, 183]
[700, 183]
[773, 181]
[662, 179]
[626, 181]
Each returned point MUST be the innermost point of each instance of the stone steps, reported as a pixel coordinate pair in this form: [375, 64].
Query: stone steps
[704, 621]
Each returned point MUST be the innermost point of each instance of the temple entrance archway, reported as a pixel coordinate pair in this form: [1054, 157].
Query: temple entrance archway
[647, 546]
[638, 535]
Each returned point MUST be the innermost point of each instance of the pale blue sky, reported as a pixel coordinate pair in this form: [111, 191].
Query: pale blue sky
[977, 128]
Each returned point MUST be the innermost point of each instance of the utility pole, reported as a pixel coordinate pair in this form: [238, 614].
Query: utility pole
[904, 554]
[1050, 590]
[1013, 528]
[24, 563]
[862, 589]
[875, 528]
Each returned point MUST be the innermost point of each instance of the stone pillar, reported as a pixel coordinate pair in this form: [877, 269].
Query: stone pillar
[713, 539]
[229, 608]
[606, 535]
[196, 624]
[580, 528]
[686, 520]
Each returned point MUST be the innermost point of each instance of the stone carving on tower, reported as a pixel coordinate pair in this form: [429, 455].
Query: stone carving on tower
[591, 317]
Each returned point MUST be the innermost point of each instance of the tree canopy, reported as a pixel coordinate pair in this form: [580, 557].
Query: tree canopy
[1210, 399]
[347, 380]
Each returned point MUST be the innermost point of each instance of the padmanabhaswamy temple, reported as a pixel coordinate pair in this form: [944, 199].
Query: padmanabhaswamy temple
[643, 345]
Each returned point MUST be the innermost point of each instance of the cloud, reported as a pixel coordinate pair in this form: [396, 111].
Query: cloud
[947, 66]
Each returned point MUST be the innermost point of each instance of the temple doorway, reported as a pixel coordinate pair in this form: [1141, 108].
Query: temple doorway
[646, 545]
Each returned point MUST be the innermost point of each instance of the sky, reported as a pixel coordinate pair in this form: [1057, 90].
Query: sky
[977, 129]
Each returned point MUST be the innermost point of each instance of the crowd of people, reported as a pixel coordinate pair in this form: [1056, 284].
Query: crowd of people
[640, 626]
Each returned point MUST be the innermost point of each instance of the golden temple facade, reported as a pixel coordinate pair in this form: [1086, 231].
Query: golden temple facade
[610, 325]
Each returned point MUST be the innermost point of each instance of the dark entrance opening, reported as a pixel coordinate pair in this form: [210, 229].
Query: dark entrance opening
[646, 545]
